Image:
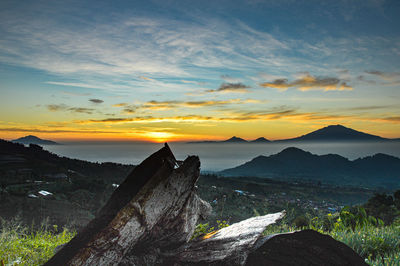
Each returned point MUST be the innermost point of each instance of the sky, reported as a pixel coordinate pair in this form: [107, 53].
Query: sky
[198, 70]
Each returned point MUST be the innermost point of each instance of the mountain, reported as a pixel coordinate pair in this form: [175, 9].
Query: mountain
[260, 140]
[336, 133]
[294, 163]
[34, 140]
[234, 139]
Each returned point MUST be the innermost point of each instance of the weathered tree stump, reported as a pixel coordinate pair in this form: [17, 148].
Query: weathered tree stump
[155, 206]
[151, 216]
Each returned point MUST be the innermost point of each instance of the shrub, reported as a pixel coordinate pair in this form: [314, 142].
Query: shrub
[203, 229]
[300, 222]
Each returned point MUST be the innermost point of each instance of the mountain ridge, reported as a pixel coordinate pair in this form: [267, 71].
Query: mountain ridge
[328, 133]
[294, 163]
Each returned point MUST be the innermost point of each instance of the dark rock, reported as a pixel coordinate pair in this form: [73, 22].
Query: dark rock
[305, 247]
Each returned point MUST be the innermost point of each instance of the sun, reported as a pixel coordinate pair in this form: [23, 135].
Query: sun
[159, 136]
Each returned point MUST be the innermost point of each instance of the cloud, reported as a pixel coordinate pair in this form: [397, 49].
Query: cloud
[146, 78]
[236, 116]
[367, 81]
[63, 107]
[201, 83]
[165, 105]
[74, 84]
[308, 82]
[282, 113]
[38, 130]
[129, 109]
[393, 119]
[230, 79]
[108, 53]
[111, 120]
[96, 101]
[75, 93]
[119, 104]
[81, 110]
[231, 87]
[387, 76]
[105, 48]
[57, 107]
[370, 107]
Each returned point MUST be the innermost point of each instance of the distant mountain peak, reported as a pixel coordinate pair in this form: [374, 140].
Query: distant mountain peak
[337, 126]
[30, 139]
[337, 133]
[260, 140]
[235, 139]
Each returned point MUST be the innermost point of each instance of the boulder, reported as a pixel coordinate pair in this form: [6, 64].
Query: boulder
[306, 247]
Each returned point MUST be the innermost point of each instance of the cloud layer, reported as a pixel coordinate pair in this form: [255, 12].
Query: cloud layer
[63, 107]
[308, 82]
[231, 87]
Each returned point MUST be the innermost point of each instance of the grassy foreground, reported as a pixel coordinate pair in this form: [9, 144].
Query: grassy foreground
[19, 245]
[379, 245]
[369, 237]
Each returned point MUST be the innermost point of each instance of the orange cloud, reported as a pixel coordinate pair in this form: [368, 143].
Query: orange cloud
[308, 82]
[119, 105]
[146, 78]
[166, 105]
[45, 130]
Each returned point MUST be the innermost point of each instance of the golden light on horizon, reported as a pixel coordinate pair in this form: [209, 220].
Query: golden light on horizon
[159, 137]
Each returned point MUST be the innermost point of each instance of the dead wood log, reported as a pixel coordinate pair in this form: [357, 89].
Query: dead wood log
[156, 205]
[228, 246]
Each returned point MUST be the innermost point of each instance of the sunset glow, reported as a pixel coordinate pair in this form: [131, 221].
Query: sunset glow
[151, 71]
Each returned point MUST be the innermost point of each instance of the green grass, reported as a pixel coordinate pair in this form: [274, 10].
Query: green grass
[21, 246]
[371, 242]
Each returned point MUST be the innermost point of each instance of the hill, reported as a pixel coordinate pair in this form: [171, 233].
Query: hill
[77, 187]
[379, 170]
[34, 140]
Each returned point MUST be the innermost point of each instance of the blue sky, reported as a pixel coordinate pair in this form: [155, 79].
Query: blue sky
[170, 70]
